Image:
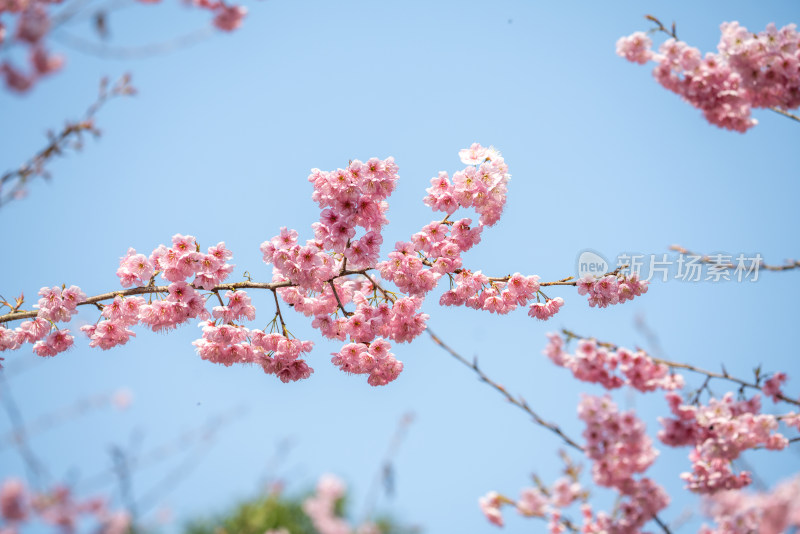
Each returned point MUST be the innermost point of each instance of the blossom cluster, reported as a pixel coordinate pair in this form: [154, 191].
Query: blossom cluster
[482, 185]
[737, 512]
[373, 359]
[34, 21]
[615, 441]
[181, 261]
[56, 305]
[611, 289]
[719, 432]
[534, 501]
[277, 354]
[503, 295]
[612, 368]
[749, 71]
[32, 25]
[321, 509]
[352, 198]
[620, 450]
[20, 506]
[772, 386]
[416, 266]
[178, 263]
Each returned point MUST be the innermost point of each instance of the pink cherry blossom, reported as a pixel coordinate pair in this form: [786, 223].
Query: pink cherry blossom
[490, 506]
[749, 71]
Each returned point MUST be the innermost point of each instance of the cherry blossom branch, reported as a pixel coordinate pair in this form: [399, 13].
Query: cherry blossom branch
[568, 281]
[523, 405]
[349, 199]
[153, 289]
[270, 286]
[742, 55]
[35, 24]
[688, 367]
[791, 264]
[69, 137]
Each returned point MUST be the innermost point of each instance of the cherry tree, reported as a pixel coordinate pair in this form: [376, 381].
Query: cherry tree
[370, 298]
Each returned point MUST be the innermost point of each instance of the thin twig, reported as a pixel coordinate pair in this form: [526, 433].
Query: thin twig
[785, 113]
[791, 264]
[661, 28]
[168, 483]
[49, 420]
[123, 473]
[652, 338]
[338, 301]
[519, 403]
[36, 469]
[168, 449]
[278, 311]
[388, 296]
[386, 472]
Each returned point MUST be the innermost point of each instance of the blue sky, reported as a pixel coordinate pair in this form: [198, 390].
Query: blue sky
[218, 144]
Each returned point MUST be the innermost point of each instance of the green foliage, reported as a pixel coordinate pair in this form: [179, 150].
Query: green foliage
[277, 511]
[256, 517]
